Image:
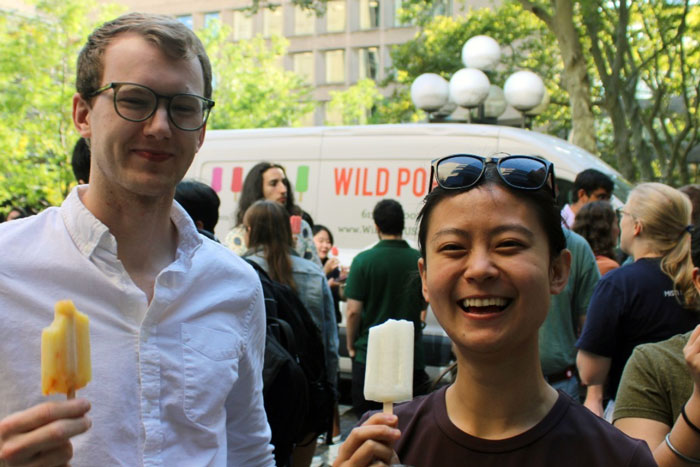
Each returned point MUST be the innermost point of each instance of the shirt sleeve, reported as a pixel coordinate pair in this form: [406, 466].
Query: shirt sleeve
[354, 284]
[602, 320]
[247, 431]
[641, 393]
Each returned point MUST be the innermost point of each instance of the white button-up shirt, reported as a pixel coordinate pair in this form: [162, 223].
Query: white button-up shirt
[174, 382]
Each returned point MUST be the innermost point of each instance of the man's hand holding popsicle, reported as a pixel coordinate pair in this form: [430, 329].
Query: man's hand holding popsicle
[388, 379]
[41, 434]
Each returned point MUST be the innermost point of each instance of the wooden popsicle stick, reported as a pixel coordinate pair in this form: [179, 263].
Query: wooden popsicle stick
[388, 407]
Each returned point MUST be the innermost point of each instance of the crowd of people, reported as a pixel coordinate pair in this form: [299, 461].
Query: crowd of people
[575, 331]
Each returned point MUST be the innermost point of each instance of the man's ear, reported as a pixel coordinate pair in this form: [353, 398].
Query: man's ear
[423, 279]
[581, 193]
[559, 272]
[81, 116]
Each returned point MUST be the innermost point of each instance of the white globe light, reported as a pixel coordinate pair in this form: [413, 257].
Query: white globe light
[541, 107]
[495, 104]
[429, 92]
[469, 87]
[524, 90]
[481, 52]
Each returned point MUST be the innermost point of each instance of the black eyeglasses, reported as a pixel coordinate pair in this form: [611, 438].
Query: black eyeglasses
[137, 103]
[465, 170]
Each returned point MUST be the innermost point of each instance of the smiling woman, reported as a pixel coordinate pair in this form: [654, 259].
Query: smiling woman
[488, 271]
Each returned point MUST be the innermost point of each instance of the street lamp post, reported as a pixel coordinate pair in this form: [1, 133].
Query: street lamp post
[470, 87]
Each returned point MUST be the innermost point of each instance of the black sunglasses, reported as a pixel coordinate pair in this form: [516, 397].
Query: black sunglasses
[465, 170]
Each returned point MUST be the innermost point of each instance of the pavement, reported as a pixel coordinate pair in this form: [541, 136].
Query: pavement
[326, 454]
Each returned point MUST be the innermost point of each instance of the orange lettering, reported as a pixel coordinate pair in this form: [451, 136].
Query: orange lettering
[342, 180]
[382, 191]
[357, 182]
[404, 178]
[419, 186]
[365, 192]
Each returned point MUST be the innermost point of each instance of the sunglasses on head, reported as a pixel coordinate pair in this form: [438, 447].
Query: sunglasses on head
[465, 170]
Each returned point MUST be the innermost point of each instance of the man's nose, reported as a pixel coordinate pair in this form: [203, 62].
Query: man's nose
[159, 123]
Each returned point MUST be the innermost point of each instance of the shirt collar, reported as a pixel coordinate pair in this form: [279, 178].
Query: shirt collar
[88, 233]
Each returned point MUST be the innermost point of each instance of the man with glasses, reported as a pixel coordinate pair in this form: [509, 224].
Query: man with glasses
[176, 321]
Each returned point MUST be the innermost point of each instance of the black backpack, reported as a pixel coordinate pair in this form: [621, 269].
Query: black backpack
[298, 399]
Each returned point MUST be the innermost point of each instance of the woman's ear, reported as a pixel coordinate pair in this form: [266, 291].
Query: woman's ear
[696, 279]
[423, 279]
[638, 227]
[559, 272]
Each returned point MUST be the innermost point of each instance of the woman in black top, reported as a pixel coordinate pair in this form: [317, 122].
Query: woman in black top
[492, 252]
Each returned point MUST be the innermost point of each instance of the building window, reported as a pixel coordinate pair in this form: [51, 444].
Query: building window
[303, 21]
[335, 66]
[304, 66]
[369, 14]
[273, 22]
[186, 20]
[242, 25]
[210, 17]
[369, 63]
[335, 16]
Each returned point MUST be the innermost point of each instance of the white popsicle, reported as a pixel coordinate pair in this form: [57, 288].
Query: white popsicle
[389, 370]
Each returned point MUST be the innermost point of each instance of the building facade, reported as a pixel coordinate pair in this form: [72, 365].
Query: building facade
[351, 41]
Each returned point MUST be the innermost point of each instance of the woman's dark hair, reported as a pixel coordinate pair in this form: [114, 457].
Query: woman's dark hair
[318, 228]
[253, 189]
[269, 230]
[594, 222]
[541, 200]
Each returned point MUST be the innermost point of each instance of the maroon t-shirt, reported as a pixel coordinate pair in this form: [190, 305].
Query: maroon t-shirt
[569, 435]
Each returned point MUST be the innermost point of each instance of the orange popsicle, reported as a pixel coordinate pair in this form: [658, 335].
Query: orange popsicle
[65, 351]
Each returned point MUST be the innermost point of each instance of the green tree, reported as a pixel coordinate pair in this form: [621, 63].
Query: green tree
[355, 104]
[251, 88]
[37, 75]
[647, 44]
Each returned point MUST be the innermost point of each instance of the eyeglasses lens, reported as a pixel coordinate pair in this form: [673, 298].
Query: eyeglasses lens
[523, 172]
[459, 171]
[137, 103]
[134, 102]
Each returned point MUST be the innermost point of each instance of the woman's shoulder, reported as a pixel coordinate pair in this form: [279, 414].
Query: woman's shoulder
[592, 433]
[304, 266]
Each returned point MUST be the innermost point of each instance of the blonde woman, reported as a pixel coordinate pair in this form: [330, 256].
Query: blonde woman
[647, 301]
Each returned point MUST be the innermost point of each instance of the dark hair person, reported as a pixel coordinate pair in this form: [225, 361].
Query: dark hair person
[597, 223]
[493, 252]
[649, 300]
[268, 181]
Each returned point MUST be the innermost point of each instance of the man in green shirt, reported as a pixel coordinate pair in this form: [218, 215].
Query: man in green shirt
[383, 284]
[567, 312]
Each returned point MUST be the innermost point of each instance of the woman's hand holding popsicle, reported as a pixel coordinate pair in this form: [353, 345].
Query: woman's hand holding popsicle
[40, 435]
[371, 443]
[331, 265]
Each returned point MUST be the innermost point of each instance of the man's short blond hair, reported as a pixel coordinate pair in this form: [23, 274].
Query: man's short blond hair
[174, 38]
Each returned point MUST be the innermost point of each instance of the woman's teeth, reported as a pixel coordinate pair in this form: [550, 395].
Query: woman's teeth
[483, 302]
